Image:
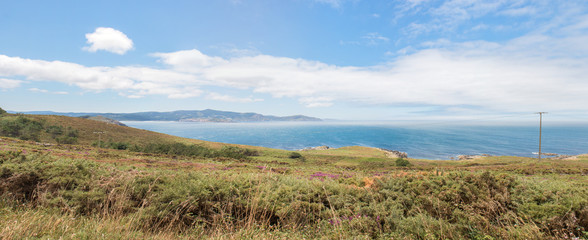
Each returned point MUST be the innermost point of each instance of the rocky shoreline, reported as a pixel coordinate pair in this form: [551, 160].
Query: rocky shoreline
[315, 148]
[393, 153]
[398, 154]
[389, 153]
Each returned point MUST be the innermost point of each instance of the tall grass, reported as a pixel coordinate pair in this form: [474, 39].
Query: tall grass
[85, 198]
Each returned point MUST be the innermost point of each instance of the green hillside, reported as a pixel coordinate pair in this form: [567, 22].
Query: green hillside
[166, 187]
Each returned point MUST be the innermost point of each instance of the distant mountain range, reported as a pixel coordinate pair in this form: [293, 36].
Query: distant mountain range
[207, 115]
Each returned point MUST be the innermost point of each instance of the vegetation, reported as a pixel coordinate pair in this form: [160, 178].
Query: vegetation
[20, 127]
[26, 128]
[295, 155]
[401, 162]
[183, 190]
[181, 149]
[67, 136]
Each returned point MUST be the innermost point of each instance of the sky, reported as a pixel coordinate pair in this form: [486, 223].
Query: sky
[335, 59]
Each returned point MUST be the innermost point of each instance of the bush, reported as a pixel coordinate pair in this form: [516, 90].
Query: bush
[236, 152]
[2, 112]
[54, 131]
[295, 155]
[401, 162]
[21, 127]
[187, 150]
[177, 149]
[68, 136]
[119, 145]
[66, 140]
[29, 129]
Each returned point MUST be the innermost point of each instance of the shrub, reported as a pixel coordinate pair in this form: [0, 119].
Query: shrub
[119, 145]
[71, 132]
[188, 150]
[116, 145]
[21, 127]
[236, 152]
[401, 162]
[296, 155]
[29, 129]
[68, 136]
[2, 112]
[66, 140]
[54, 131]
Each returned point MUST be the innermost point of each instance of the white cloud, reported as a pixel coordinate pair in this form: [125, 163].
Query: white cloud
[448, 17]
[480, 27]
[525, 74]
[227, 98]
[188, 60]
[414, 3]
[133, 81]
[528, 10]
[9, 83]
[506, 77]
[312, 102]
[188, 93]
[38, 90]
[369, 39]
[375, 38]
[333, 3]
[108, 39]
[461, 10]
[535, 72]
[414, 29]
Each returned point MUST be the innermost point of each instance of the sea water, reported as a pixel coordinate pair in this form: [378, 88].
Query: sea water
[429, 141]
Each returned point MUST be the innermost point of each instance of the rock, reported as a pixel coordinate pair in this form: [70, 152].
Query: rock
[394, 153]
[316, 148]
[471, 157]
[571, 157]
[549, 154]
[45, 144]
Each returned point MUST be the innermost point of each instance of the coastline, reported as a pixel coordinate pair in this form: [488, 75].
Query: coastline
[435, 143]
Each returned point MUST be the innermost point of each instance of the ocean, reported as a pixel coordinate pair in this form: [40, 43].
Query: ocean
[428, 141]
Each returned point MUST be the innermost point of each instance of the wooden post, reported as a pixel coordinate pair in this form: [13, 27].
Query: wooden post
[99, 138]
[540, 126]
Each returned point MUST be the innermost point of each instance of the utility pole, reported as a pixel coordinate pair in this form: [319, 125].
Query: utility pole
[99, 138]
[540, 125]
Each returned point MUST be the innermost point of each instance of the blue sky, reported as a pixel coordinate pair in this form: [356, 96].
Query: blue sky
[357, 59]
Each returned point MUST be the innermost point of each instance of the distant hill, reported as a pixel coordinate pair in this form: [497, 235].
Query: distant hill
[207, 115]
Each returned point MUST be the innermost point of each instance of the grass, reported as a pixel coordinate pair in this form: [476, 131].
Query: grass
[78, 191]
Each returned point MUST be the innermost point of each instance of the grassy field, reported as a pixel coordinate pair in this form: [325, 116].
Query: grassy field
[80, 191]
